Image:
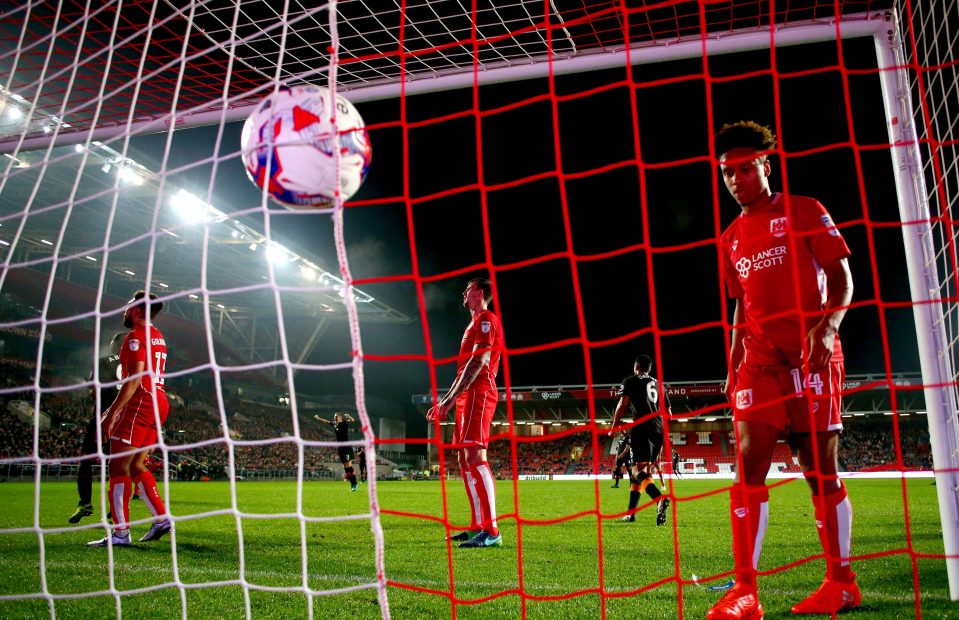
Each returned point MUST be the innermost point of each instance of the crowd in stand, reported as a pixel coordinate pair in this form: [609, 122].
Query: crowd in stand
[865, 445]
[544, 457]
[70, 411]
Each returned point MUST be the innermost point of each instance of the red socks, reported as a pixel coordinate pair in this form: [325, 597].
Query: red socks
[834, 526]
[486, 491]
[476, 514]
[121, 490]
[749, 516]
[149, 493]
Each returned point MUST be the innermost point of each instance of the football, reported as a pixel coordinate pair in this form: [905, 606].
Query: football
[289, 147]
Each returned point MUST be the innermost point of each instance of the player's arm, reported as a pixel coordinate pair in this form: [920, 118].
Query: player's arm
[108, 420]
[668, 409]
[479, 359]
[823, 334]
[319, 419]
[621, 408]
[735, 349]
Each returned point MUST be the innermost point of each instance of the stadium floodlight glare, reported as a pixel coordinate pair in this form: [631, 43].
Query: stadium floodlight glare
[45, 242]
[129, 176]
[92, 259]
[190, 208]
[253, 246]
[307, 272]
[15, 113]
[78, 148]
[194, 296]
[709, 420]
[277, 254]
[128, 272]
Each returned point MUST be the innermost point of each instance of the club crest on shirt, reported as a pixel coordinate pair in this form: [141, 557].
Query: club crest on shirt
[485, 326]
[777, 226]
[830, 227]
[744, 399]
[134, 344]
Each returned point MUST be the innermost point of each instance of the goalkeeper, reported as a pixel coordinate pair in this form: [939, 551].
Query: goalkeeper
[341, 430]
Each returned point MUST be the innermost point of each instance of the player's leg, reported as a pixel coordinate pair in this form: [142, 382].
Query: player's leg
[347, 458]
[146, 484]
[656, 441]
[476, 438]
[490, 535]
[121, 490]
[476, 516]
[634, 494]
[819, 459]
[640, 451]
[749, 517]
[85, 472]
[749, 507]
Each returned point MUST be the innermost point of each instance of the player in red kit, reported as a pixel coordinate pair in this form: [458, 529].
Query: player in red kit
[785, 263]
[133, 421]
[474, 395]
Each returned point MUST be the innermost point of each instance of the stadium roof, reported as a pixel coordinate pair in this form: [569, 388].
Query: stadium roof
[67, 70]
[92, 214]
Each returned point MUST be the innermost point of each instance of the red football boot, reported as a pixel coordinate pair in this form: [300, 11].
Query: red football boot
[740, 603]
[831, 597]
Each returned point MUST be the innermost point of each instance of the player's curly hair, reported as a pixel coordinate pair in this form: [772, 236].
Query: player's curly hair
[744, 134]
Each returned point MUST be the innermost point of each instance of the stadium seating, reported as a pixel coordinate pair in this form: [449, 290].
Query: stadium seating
[866, 443]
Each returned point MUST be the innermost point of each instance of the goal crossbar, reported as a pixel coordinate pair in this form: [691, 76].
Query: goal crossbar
[237, 108]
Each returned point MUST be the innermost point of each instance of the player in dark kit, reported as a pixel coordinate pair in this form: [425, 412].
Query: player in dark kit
[785, 263]
[109, 371]
[624, 459]
[639, 395]
[676, 471]
[361, 459]
[341, 428]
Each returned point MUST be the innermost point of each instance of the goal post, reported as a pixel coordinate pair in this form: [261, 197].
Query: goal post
[936, 350]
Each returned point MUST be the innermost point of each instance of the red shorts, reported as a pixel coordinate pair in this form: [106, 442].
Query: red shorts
[775, 395]
[137, 425]
[474, 412]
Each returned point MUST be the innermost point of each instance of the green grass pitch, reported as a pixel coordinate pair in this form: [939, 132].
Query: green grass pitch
[640, 566]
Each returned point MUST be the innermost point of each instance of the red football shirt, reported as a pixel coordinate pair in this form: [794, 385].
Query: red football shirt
[484, 330]
[761, 253]
[135, 349]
